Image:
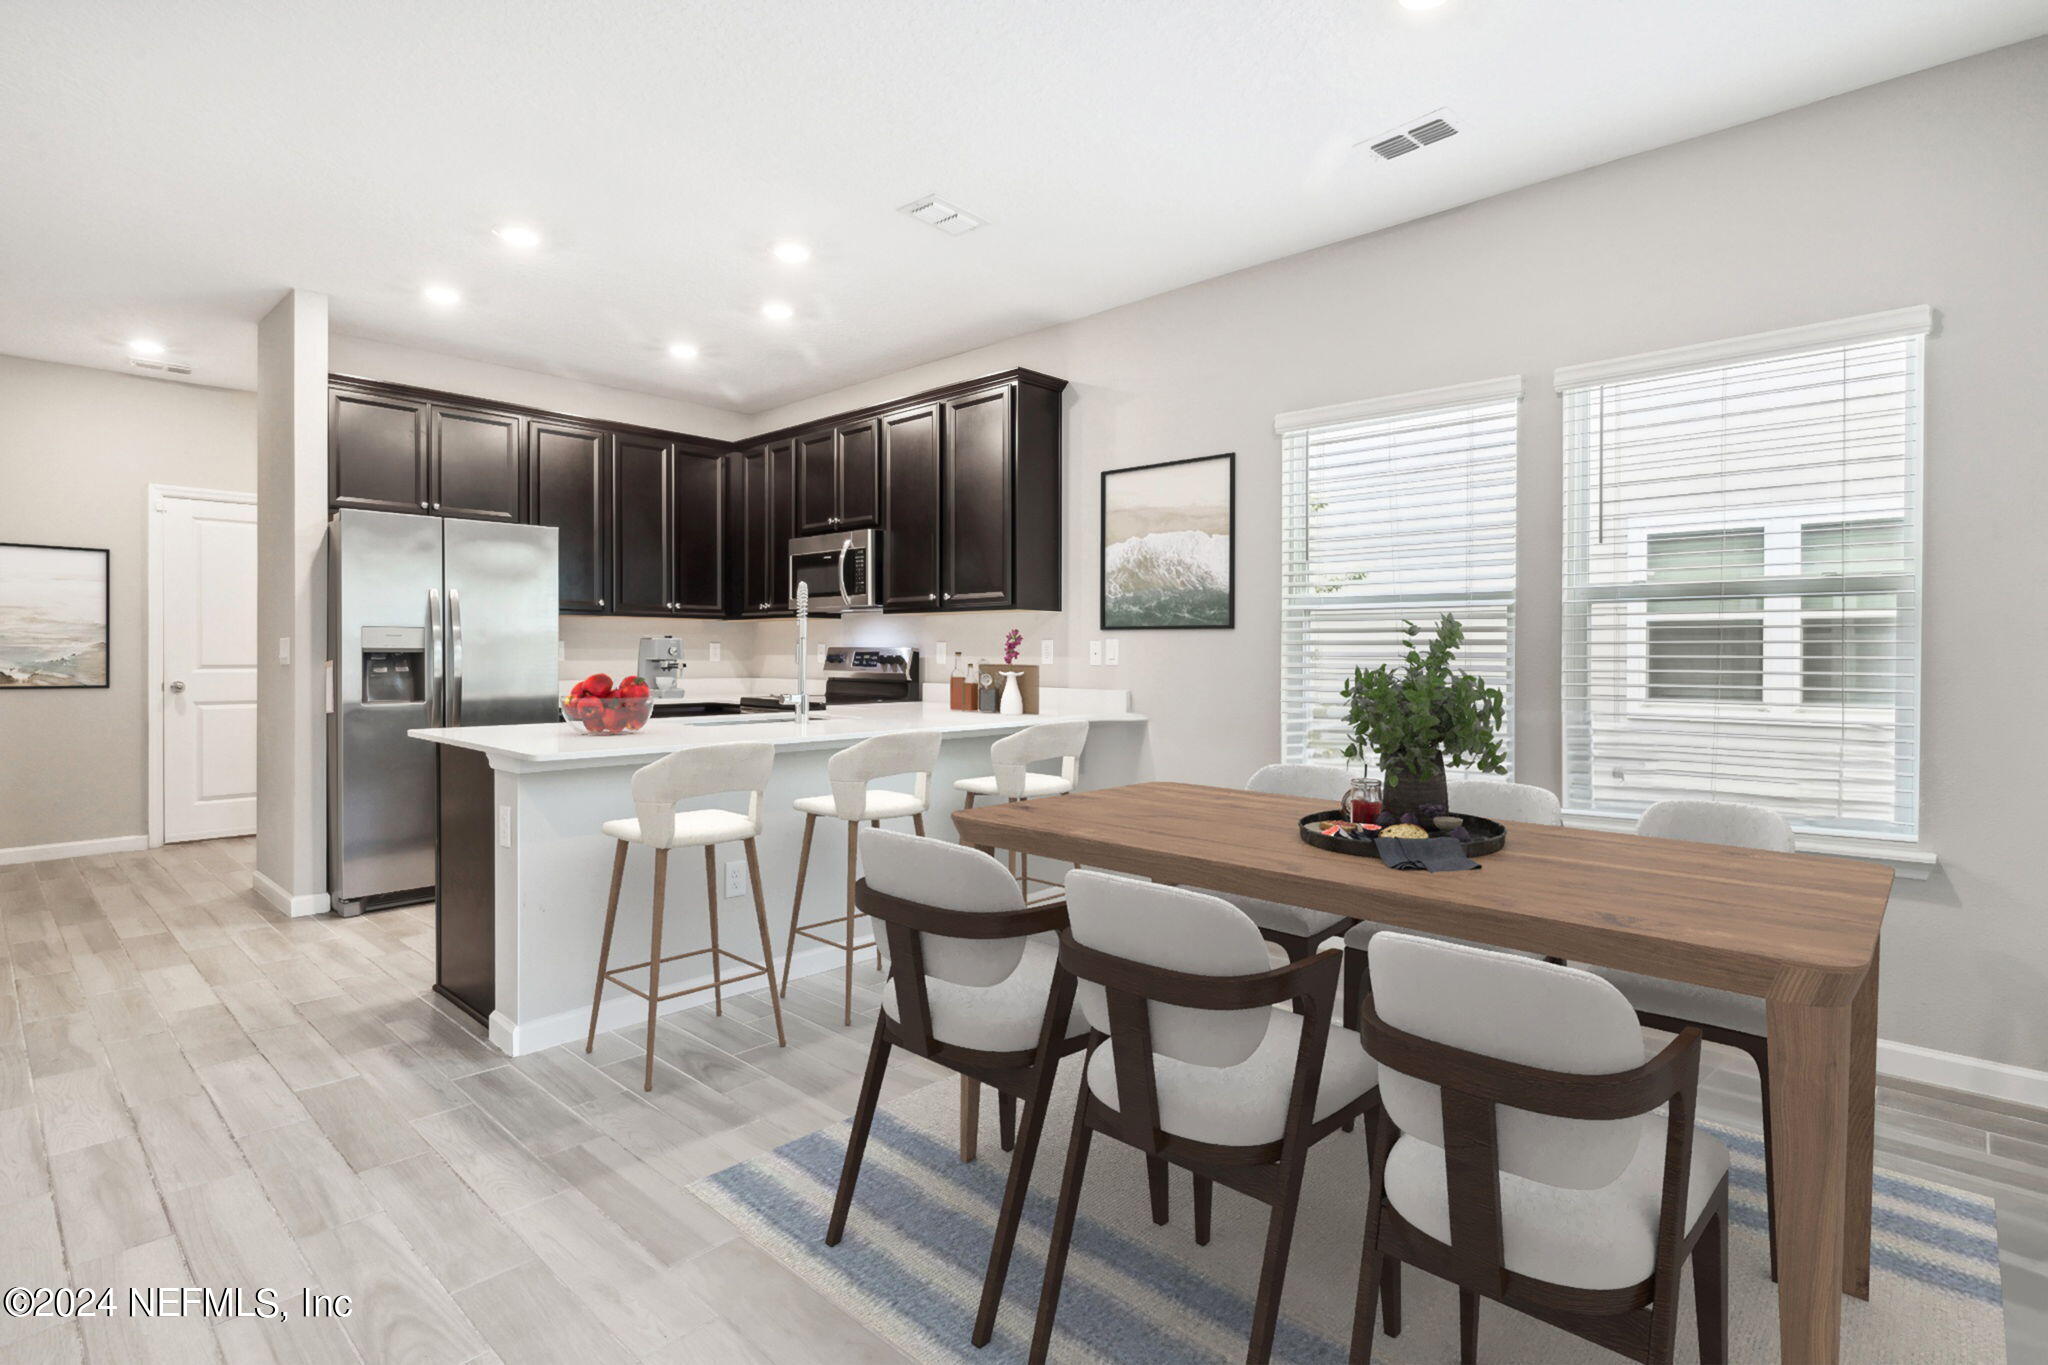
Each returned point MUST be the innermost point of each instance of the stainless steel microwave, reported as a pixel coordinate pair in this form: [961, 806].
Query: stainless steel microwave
[842, 570]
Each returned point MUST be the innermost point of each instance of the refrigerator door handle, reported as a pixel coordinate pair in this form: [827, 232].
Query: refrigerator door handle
[454, 657]
[434, 655]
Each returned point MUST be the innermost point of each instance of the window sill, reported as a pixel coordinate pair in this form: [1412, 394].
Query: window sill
[1909, 861]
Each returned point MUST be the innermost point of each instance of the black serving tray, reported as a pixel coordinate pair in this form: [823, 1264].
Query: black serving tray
[1488, 836]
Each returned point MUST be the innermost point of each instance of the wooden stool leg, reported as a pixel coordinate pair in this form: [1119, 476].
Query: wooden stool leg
[654, 958]
[1155, 1179]
[796, 902]
[1468, 1327]
[1016, 1188]
[1062, 1232]
[917, 824]
[711, 912]
[1205, 1190]
[872, 824]
[767, 948]
[857, 1140]
[970, 1116]
[604, 953]
[1006, 1121]
[852, 874]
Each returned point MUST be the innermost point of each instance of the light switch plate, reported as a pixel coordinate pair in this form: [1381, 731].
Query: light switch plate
[735, 878]
[1109, 652]
[717, 651]
[284, 649]
[504, 827]
[1045, 651]
[940, 653]
[1095, 651]
[561, 649]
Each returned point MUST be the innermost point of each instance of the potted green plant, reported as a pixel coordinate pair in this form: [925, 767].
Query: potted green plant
[1420, 715]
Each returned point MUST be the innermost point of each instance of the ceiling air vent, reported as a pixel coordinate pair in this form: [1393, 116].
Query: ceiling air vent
[947, 218]
[167, 367]
[1413, 136]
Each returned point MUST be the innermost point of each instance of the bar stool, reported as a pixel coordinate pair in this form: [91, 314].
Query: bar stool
[851, 770]
[1013, 781]
[710, 771]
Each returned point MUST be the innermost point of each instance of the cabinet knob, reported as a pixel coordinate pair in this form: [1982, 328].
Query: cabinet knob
[423, 504]
[600, 601]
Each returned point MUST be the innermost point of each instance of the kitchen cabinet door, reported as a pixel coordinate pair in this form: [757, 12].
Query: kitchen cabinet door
[642, 526]
[699, 521]
[753, 502]
[475, 463]
[781, 520]
[817, 482]
[980, 456]
[910, 509]
[859, 454]
[570, 490]
[377, 452]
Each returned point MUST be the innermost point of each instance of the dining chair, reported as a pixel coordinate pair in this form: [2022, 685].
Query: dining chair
[1296, 929]
[714, 770]
[913, 753]
[1518, 802]
[1013, 780]
[973, 985]
[1518, 1153]
[1197, 1068]
[1737, 1021]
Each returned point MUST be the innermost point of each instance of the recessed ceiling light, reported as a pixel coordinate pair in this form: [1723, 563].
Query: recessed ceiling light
[442, 295]
[518, 236]
[682, 350]
[777, 311]
[145, 347]
[1421, 4]
[791, 253]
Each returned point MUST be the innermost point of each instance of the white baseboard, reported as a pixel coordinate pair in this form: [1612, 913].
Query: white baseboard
[77, 848]
[623, 1011]
[1976, 1076]
[285, 903]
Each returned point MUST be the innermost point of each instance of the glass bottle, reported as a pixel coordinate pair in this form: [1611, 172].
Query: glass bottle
[1362, 800]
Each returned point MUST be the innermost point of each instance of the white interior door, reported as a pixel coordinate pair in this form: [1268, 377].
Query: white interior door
[209, 668]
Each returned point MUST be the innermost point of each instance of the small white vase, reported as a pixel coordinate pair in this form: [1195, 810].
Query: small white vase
[1013, 696]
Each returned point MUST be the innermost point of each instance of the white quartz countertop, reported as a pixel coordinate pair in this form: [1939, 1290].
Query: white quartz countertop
[557, 744]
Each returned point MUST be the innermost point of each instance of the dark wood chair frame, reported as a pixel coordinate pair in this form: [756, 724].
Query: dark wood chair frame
[1639, 1321]
[1270, 1172]
[1025, 1075]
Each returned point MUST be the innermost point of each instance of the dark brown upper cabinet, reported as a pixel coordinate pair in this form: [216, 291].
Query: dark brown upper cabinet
[755, 577]
[698, 499]
[377, 452]
[910, 491]
[475, 463]
[976, 479]
[837, 469]
[570, 481]
[643, 525]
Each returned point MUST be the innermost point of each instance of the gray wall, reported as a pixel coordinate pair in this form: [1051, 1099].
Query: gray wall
[78, 449]
[1930, 189]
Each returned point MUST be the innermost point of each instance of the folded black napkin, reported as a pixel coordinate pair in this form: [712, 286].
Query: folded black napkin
[1424, 855]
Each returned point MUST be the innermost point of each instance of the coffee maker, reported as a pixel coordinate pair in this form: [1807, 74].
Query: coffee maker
[661, 664]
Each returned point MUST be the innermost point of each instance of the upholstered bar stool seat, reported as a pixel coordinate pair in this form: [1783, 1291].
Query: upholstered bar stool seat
[874, 805]
[1013, 780]
[1032, 785]
[690, 829]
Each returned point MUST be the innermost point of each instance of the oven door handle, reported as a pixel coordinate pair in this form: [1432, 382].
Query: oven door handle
[845, 548]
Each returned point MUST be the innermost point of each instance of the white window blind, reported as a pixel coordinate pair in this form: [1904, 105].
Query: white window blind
[1395, 510]
[1742, 578]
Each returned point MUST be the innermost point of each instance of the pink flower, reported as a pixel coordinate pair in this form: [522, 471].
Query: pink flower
[1011, 644]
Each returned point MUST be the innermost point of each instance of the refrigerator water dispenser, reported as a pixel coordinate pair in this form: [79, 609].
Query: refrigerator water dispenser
[394, 665]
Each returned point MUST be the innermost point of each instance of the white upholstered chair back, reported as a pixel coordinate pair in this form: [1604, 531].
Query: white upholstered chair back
[852, 768]
[709, 771]
[1060, 739]
[1517, 801]
[1718, 822]
[949, 877]
[1315, 781]
[1185, 931]
[1516, 1009]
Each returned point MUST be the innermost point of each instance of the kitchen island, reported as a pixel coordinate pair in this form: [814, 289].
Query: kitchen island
[524, 864]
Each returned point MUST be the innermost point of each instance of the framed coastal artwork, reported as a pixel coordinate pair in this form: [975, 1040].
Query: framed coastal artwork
[53, 617]
[1167, 533]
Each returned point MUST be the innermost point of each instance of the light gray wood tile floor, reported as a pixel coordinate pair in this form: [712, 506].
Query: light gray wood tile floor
[193, 1090]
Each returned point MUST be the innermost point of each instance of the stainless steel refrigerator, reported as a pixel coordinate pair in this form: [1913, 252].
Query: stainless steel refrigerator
[431, 622]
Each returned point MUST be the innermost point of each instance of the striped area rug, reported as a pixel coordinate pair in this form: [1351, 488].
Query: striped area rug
[910, 1265]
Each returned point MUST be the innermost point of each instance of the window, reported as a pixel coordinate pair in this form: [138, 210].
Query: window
[1393, 510]
[1742, 577]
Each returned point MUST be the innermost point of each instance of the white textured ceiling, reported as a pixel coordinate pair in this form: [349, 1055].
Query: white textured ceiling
[167, 168]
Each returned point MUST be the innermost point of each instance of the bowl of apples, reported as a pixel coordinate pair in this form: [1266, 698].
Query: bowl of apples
[596, 707]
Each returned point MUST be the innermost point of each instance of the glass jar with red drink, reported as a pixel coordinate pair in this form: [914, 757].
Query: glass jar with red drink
[1362, 801]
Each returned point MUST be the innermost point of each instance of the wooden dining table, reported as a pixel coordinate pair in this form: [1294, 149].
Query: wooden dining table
[1798, 930]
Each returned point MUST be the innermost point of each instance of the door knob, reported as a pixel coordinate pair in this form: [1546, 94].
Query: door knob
[177, 687]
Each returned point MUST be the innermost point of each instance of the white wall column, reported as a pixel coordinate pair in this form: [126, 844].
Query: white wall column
[291, 604]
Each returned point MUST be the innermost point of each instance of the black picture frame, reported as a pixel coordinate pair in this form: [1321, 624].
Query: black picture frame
[106, 619]
[1229, 621]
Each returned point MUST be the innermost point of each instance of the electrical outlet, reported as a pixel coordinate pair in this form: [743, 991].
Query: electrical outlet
[1045, 651]
[504, 827]
[1109, 652]
[717, 651]
[735, 878]
[945, 659]
[284, 649]
[1095, 651]
[561, 649]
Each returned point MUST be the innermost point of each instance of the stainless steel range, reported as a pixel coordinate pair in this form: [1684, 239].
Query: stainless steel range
[870, 673]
